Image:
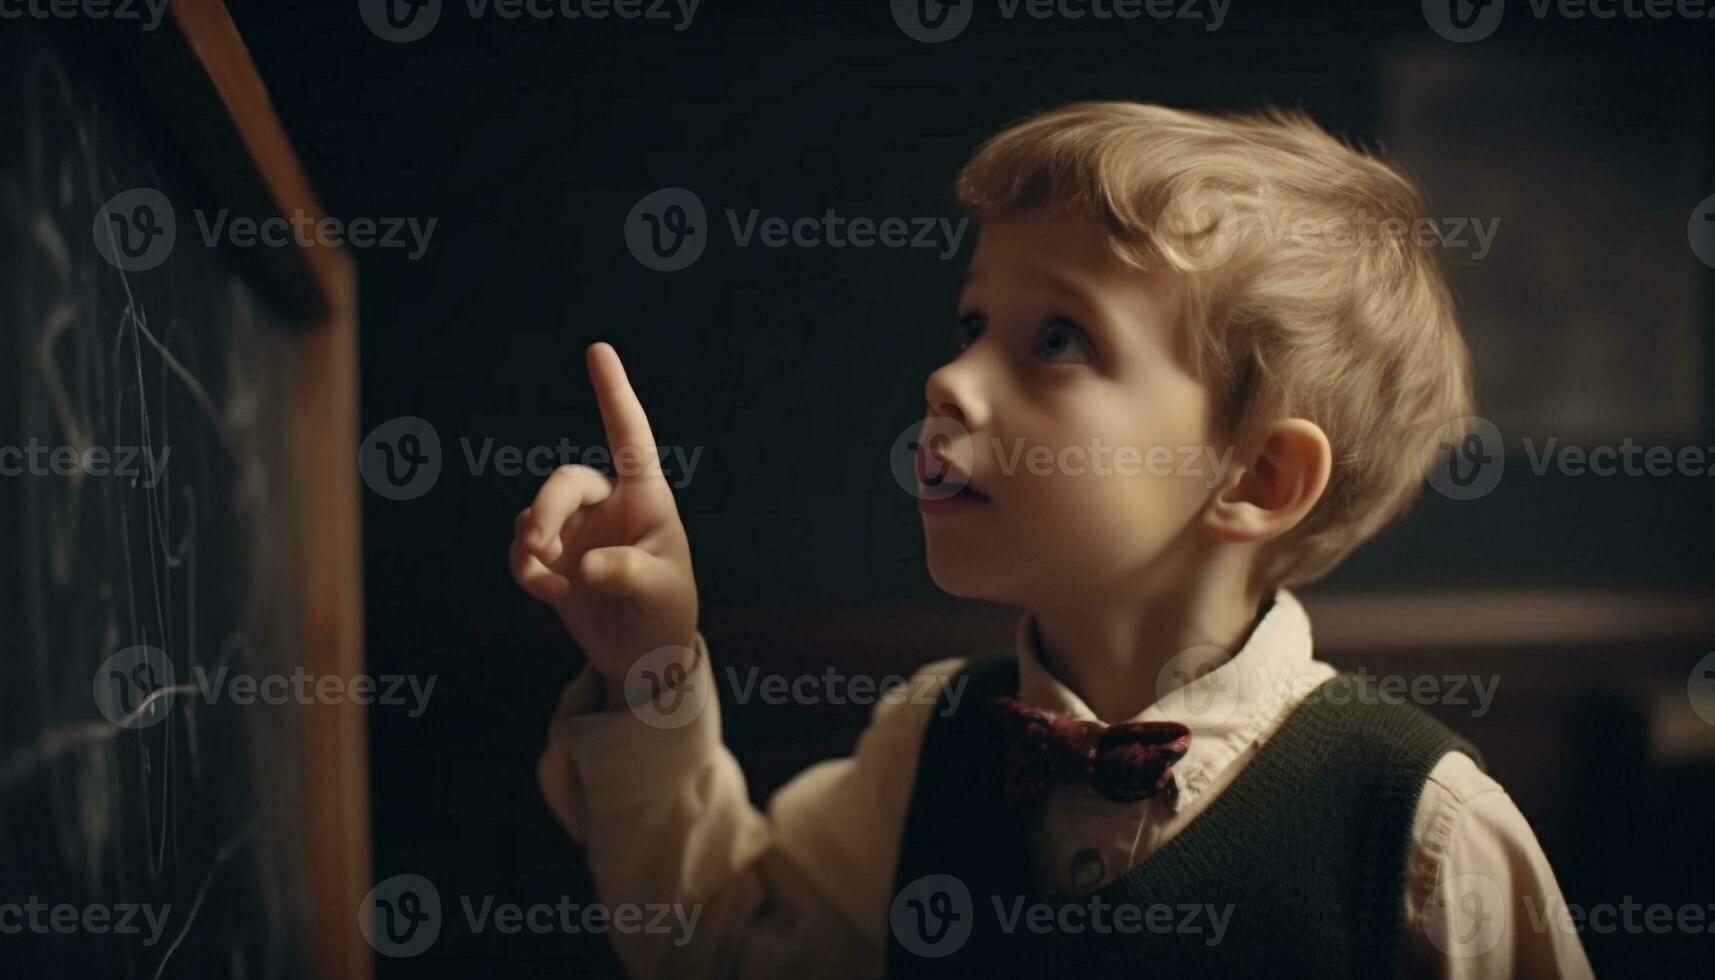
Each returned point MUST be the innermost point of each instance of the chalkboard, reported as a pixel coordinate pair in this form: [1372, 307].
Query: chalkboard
[177, 518]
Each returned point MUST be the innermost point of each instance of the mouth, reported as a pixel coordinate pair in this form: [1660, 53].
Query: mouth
[943, 486]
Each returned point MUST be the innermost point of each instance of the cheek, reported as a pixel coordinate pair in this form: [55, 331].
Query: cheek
[1058, 529]
[1121, 491]
[1122, 513]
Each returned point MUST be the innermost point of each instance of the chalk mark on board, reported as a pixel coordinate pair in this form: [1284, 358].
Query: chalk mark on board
[245, 835]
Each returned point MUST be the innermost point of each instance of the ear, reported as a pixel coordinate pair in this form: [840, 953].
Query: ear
[1274, 486]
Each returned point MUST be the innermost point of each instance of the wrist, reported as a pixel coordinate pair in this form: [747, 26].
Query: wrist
[669, 674]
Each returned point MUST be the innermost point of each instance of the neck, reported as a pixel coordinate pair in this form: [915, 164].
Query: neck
[1111, 651]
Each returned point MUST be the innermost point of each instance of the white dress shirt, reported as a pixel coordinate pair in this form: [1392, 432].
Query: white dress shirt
[805, 890]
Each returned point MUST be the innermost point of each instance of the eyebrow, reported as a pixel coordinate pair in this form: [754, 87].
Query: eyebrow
[1058, 284]
[1083, 306]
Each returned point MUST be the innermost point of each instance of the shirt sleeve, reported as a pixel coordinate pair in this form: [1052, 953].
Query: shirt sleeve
[663, 809]
[1481, 901]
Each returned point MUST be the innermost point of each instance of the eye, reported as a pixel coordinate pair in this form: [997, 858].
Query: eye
[1062, 342]
[967, 329]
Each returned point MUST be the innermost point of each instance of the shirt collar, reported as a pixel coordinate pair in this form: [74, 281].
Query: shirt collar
[1227, 708]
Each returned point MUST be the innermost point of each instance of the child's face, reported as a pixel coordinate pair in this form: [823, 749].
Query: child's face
[1081, 422]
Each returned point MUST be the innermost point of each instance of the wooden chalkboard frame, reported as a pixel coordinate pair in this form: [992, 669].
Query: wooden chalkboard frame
[202, 79]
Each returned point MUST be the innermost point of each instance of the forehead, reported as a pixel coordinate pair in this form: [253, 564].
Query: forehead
[1067, 259]
[1047, 246]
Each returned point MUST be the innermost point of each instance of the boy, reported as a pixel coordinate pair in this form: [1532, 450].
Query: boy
[1163, 779]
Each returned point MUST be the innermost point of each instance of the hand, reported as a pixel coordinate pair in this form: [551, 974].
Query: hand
[610, 554]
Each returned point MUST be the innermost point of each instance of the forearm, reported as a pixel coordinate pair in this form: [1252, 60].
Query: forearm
[666, 816]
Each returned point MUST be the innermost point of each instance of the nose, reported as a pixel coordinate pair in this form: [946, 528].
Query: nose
[953, 391]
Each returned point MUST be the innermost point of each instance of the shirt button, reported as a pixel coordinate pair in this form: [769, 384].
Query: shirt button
[1088, 869]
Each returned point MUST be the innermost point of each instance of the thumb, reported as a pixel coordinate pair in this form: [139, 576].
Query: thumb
[629, 572]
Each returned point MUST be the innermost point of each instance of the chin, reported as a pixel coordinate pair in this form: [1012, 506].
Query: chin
[962, 575]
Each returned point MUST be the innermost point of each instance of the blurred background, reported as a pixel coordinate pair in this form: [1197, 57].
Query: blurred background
[1584, 143]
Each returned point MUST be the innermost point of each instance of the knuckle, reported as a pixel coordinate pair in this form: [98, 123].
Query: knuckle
[625, 565]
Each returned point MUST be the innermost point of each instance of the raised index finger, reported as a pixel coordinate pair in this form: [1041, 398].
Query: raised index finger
[628, 435]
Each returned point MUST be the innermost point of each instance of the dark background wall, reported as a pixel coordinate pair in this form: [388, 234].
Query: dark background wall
[794, 369]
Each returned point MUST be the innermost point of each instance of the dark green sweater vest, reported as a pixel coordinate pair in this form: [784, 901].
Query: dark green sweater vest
[1296, 870]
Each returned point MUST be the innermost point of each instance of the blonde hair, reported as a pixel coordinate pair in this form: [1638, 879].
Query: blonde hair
[1355, 332]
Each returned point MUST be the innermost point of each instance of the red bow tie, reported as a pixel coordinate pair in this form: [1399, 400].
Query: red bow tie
[1125, 762]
